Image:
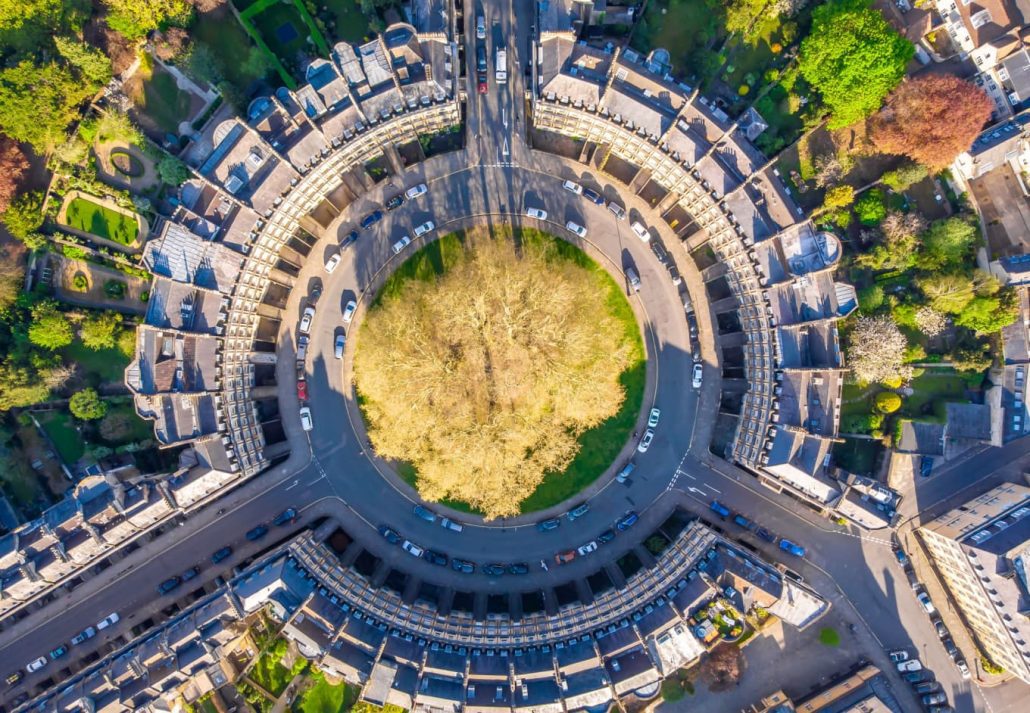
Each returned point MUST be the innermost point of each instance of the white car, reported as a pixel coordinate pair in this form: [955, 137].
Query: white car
[424, 228]
[107, 621]
[924, 601]
[913, 665]
[572, 186]
[88, 633]
[652, 418]
[536, 213]
[412, 549]
[645, 442]
[349, 310]
[576, 228]
[341, 340]
[36, 665]
[963, 669]
[305, 320]
[640, 230]
[480, 28]
[415, 191]
[305, 419]
[587, 548]
[331, 263]
[697, 376]
[401, 244]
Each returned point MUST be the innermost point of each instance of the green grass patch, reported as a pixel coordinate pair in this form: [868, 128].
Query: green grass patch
[598, 446]
[931, 391]
[139, 429]
[100, 366]
[89, 217]
[828, 636]
[18, 480]
[284, 29]
[158, 96]
[60, 427]
[351, 23]
[272, 675]
[221, 33]
[325, 698]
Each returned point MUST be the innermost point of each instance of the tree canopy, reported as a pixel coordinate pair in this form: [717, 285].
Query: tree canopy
[853, 57]
[87, 405]
[100, 330]
[135, 18]
[876, 350]
[49, 327]
[931, 119]
[13, 165]
[22, 217]
[39, 101]
[948, 243]
[26, 26]
[485, 378]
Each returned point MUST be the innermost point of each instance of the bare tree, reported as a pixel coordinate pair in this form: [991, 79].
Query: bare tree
[828, 171]
[931, 322]
[485, 378]
[722, 668]
[876, 350]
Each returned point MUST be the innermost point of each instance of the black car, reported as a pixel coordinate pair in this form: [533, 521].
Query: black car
[547, 525]
[591, 195]
[168, 585]
[463, 566]
[395, 202]
[221, 554]
[518, 568]
[493, 569]
[606, 537]
[257, 533]
[436, 558]
[371, 219]
[352, 237]
[659, 251]
[926, 687]
[674, 273]
[285, 517]
[915, 676]
[315, 293]
[391, 535]
[765, 534]
[189, 574]
[949, 646]
[942, 630]
[627, 521]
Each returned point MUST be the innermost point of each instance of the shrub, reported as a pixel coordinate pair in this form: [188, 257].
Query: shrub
[870, 299]
[887, 402]
[80, 283]
[870, 208]
[990, 667]
[87, 405]
[115, 289]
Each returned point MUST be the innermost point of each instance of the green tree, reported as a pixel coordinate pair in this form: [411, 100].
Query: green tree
[947, 292]
[741, 13]
[987, 315]
[870, 299]
[49, 327]
[904, 176]
[172, 171]
[853, 57]
[20, 386]
[887, 402]
[948, 242]
[27, 25]
[839, 197]
[100, 330]
[91, 62]
[87, 405]
[38, 102]
[135, 18]
[24, 216]
[974, 357]
[869, 208]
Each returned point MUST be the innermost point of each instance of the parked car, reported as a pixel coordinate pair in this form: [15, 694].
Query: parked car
[605, 537]
[623, 475]
[794, 549]
[518, 568]
[924, 601]
[415, 191]
[401, 244]
[88, 633]
[424, 513]
[645, 442]
[58, 652]
[765, 534]
[949, 646]
[960, 664]
[674, 274]
[925, 466]
[305, 320]
[14, 678]
[437, 558]
[341, 342]
[412, 549]
[899, 655]
[627, 521]
[285, 517]
[424, 228]
[578, 511]
[371, 219]
[480, 28]
[593, 196]
[899, 555]
[617, 210]
[349, 239]
[390, 534]
[315, 293]
[221, 554]
[109, 620]
[915, 676]
[640, 231]
[191, 573]
[660, 253]
[742, 521]
[942, 630]
[349, 310]
[451, 525]
[547, 525]
[305, 419]
[257, 533]
[302, 389]
[652, 418]
[537, 213]
[576, 229]
[934, 699]
[168, 585]
[36, 664]
[332, 263]
[395, 202]
[926, 686]
[696, 376]
[587, 548]
[573, 187]
[912, 665]
[493, 569]
[565, 557]
[719, 508]
[463, 566]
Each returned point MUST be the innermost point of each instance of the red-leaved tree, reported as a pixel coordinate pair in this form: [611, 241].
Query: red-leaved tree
[931, 119]
[13, 166]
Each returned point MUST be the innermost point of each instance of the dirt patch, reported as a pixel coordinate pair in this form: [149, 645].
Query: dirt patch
[65, 270]
[109, 173]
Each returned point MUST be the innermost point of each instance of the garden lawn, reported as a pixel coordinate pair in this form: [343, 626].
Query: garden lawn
[753, 55]
[351, 23]
[60, 427]
[272, 675]
[90, 217]
[931, 392]
[678, 30]
[104, 365]
[140, 430]
[325, 698]
[158, 96]
[229, 43]
[284, 30]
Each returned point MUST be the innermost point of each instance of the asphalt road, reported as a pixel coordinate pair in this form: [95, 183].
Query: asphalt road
[338, 477]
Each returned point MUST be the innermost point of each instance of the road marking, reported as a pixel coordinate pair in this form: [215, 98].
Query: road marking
[711, 488]
[695, 490]
[504, 149]
[293, 485]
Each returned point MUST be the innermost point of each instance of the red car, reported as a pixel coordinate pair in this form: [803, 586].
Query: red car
[482, 85]
[565, 557]
[302, 390]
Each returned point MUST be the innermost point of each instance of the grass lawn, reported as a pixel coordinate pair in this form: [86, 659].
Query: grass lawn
[857, 455]
[90, 217]
[753, 55]
[283, 29]
[600, 445]
[325, 698]
[685, 26]
[272, 675]
[829, 637]
[931, 392]
[229, 43]
[61, 429]
[18, 479]
[104, 365]
[157, 96]
[139, 429]
[351, 23]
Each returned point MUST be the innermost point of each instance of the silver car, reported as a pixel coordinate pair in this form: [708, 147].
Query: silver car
[349, 310]
[341, 340]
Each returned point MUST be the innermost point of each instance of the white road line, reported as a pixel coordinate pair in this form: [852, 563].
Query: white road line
[711, 488]
[293, 485]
